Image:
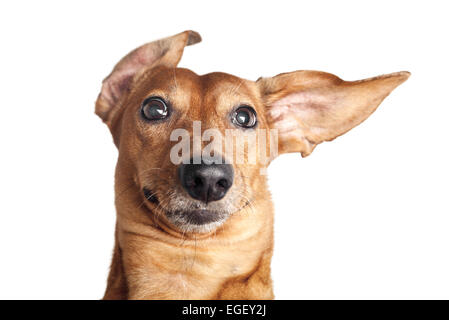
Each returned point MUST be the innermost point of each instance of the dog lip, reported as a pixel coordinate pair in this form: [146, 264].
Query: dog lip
[198, 217]
[150, 196]
[194, 217]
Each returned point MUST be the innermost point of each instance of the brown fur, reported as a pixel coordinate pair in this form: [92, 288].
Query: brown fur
[152, 258]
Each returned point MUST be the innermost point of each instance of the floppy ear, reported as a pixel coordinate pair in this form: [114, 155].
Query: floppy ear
[309, 107]
[167, 52]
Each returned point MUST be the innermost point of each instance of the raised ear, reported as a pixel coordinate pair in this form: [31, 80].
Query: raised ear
[309, 107]
[167, 52]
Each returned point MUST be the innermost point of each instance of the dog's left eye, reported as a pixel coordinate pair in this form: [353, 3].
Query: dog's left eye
[154, 108]
[245, 117]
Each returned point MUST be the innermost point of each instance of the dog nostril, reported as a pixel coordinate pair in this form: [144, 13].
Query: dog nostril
[198, 182]
[223, 184]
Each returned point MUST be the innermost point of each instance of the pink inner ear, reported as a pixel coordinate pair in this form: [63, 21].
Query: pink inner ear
[119, 80]
[308, 106]
[301, 118]
[114, 86]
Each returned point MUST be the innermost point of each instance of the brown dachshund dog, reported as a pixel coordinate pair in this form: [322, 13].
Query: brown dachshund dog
[192, 228]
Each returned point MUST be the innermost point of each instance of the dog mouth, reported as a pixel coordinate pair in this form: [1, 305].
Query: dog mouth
[150, 196]
[195, 217]
[189, 218]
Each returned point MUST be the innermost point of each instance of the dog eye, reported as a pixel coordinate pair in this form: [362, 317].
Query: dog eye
[245, 117]
[154, 108]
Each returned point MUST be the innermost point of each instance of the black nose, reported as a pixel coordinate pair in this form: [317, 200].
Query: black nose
[206, 182]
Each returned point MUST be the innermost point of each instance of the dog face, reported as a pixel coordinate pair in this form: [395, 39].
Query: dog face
[195, 178]
[191, 196]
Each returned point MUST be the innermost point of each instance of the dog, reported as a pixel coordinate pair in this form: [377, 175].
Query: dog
[192, 228]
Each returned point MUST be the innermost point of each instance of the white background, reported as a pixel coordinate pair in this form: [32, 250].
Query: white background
[365, 216]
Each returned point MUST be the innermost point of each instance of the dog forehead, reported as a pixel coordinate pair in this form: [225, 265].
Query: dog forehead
[184, 88]
[210, 85]
[220, 85]
[172, 79]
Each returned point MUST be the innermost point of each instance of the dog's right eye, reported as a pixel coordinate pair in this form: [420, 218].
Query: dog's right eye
[154, 108]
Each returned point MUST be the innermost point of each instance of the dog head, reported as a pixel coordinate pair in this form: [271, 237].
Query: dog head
[197, 146]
